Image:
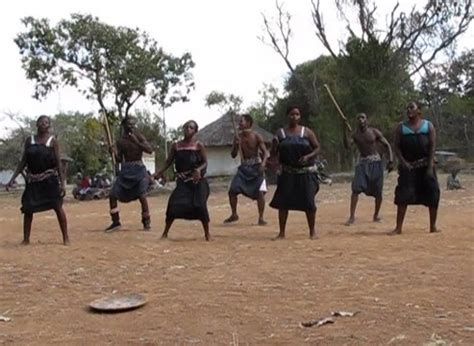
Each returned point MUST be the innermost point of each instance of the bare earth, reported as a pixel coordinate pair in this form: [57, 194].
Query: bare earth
[242, 288]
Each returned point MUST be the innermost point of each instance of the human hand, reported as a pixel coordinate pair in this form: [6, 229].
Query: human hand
[9, 185]
[196, 175]
[303, 159]
[390, 166]
[62, 190]
[406, 165]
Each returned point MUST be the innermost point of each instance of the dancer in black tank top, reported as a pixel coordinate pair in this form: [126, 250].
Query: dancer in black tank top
[44, 189]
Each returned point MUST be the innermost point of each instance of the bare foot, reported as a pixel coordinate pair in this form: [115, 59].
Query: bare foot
[377, 219]
[435, 230]
[262, 222]
[279, 237]
[164, 237]
[350, 221]
[395, 232]
[208, 238]
[66, 242]
[313, 236]
[231, 219]
[25, 242]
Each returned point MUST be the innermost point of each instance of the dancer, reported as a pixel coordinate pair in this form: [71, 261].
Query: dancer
[189, 198]
[297, 147]
[249, 179]
[368, 177]
[45, 187]
[132, 181]
[415, 142]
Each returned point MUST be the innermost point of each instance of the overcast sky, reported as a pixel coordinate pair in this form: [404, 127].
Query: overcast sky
[221, 35]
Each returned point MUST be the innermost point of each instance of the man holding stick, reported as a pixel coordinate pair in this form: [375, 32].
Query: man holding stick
[132, 181]
[368, 177]
[249, 179]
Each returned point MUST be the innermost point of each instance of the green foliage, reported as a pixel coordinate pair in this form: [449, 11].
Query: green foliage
[225, 102]
[82, 137]
[114, 65]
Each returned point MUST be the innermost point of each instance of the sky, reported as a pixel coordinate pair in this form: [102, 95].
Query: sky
[221, 35]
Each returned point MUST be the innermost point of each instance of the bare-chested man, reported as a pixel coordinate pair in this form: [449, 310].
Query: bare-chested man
[133, 180]
[368, 177]
[250, 179]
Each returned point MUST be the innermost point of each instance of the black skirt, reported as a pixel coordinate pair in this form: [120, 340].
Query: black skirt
[296, 191]
[41, 195]
[247, 181]
[416, 187]
[189, 201]
[368, 178]
[131, 183]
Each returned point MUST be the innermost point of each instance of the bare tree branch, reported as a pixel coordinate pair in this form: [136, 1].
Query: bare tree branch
[320, 28]
[283, 26]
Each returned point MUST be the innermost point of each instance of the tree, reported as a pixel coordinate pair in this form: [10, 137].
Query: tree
[263, 111]
[11, 147]
[225, 102]
[409, 43]
[114, 65]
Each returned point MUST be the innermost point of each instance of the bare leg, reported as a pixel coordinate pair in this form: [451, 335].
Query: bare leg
[61, 215]
[167, 228]
[311, 218]
[27, 221]
[401, 211]
[354, 199]
[145, 213]
[205, 226]
[282, 217]
[114, 215]
[378, 204]
[433, 217]
[233, 206]
[261, 208]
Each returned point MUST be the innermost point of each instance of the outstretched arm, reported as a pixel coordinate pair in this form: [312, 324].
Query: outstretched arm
[21, 166]
[263, 150]
[348, 137]
[432, 140]
[168, 163]
[59, 165]
[380, 137]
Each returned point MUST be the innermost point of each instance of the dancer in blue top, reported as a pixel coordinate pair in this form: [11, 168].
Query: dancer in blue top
[415, 142]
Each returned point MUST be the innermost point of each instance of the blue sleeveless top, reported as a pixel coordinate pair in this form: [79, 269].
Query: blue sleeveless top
[415, 145]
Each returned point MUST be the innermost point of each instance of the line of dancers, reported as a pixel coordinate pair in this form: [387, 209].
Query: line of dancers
[293, 153]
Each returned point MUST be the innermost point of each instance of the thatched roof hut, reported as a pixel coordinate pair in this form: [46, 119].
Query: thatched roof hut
[220, 132]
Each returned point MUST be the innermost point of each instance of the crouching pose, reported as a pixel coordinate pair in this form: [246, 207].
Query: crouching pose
[133, 180]
[249, 179]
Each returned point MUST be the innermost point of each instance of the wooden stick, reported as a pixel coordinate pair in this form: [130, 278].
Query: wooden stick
[341, 113]
[236, 133]
[109, 138]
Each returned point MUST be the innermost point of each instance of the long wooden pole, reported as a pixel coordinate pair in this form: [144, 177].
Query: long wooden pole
[341, 113]
[109, 138]
[236, 133]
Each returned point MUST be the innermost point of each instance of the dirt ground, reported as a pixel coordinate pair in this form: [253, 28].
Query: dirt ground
[242, 288]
